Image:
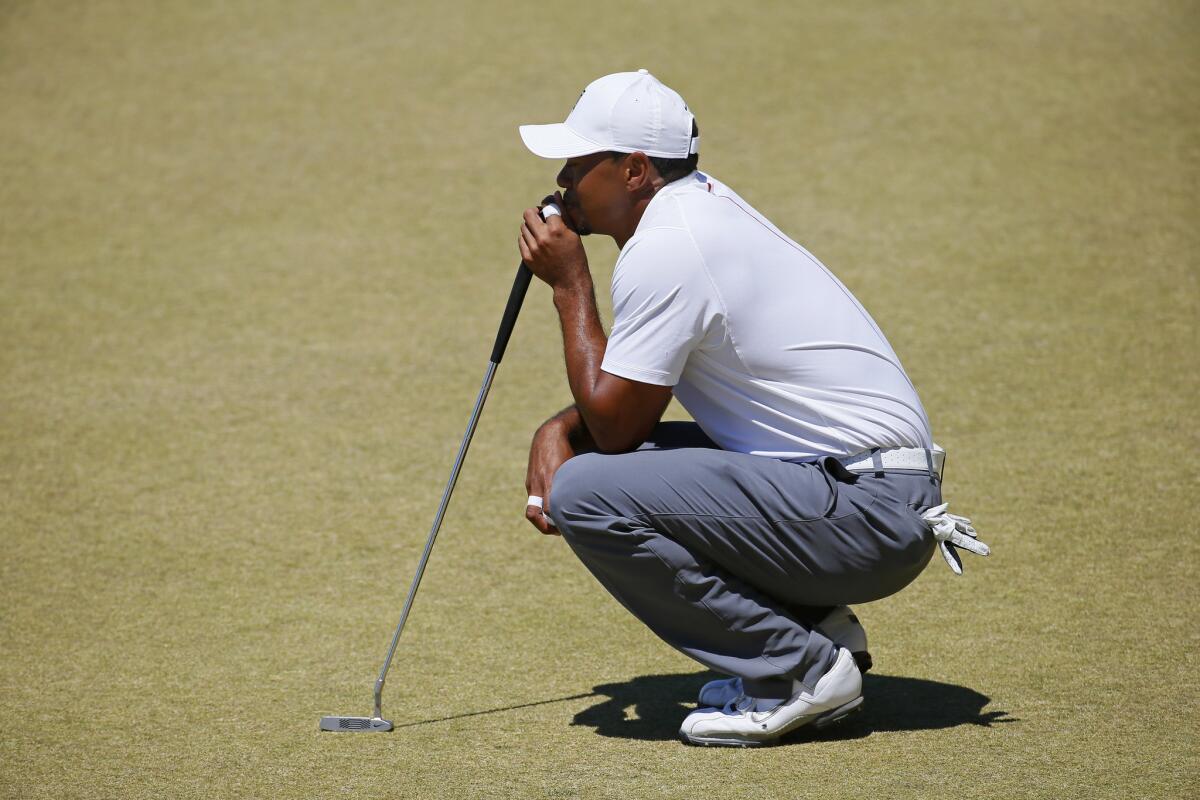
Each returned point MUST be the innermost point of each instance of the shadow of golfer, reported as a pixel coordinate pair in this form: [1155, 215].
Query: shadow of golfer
[652, 706]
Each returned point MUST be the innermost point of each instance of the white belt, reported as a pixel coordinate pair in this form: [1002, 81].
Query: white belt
[914, 458]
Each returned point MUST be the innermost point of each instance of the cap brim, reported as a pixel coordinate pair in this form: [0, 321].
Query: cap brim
[557, 141]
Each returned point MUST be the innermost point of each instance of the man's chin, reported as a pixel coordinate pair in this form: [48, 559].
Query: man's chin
[575, 223]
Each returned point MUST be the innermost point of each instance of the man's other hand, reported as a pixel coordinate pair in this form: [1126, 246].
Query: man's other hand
[550, 449]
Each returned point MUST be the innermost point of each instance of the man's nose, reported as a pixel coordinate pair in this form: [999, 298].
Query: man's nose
[563, 179]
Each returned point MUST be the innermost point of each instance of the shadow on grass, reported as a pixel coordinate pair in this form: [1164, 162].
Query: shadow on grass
[486, 711]
[652, 706]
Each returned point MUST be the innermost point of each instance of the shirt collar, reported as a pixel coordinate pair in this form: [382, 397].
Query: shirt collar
[693, 178]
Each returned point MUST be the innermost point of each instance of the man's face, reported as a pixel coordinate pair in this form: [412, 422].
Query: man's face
[594, 192]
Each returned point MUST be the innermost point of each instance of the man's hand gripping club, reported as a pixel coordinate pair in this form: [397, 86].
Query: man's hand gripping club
[552, 249]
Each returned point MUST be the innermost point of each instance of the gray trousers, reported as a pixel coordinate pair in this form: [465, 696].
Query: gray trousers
[732, 558]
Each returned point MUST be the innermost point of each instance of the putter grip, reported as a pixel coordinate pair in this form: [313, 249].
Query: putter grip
[515, 298]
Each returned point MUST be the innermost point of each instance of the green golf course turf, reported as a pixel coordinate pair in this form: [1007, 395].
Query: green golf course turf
[252, 259]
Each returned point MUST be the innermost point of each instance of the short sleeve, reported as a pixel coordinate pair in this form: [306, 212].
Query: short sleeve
[663, 305]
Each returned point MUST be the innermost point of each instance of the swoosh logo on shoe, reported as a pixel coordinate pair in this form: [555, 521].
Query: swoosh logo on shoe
[762, 716]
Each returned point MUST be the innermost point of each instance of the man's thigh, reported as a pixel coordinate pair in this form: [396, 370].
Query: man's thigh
[794, 531]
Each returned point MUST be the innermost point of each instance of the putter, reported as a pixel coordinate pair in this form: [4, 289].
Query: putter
[376, 723]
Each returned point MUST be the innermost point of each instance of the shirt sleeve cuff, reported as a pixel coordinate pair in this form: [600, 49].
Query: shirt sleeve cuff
[657, 377]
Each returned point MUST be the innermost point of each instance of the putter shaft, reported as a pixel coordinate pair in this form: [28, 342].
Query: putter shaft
[437, 524]
[515, 299]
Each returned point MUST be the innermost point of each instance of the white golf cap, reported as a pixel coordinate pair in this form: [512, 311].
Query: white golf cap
[625, 112]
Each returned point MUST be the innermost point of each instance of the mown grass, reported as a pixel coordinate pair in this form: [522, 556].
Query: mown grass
[252, 257]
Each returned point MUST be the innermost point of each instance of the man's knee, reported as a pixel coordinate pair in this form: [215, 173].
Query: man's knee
[572, 491]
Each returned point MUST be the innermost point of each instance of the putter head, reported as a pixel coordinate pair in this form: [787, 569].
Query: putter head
[355, 724]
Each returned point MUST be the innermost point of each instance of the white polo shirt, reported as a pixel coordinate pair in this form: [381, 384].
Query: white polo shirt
[766, 349]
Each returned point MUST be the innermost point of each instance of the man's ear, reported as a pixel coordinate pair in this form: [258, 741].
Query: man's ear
[640, 174]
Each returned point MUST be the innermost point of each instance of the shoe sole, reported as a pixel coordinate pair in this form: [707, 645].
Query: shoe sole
[838, 714]
[821, 721]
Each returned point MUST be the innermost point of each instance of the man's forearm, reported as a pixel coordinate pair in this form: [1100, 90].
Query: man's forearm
[583, 340]
[619, 414]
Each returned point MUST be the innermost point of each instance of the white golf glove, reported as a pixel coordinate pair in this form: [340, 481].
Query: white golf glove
[953, 531]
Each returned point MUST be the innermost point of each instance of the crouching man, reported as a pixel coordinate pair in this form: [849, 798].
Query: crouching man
[809, 480]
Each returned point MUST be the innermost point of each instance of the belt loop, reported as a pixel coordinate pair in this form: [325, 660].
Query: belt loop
[877, 460]
[934, 472]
